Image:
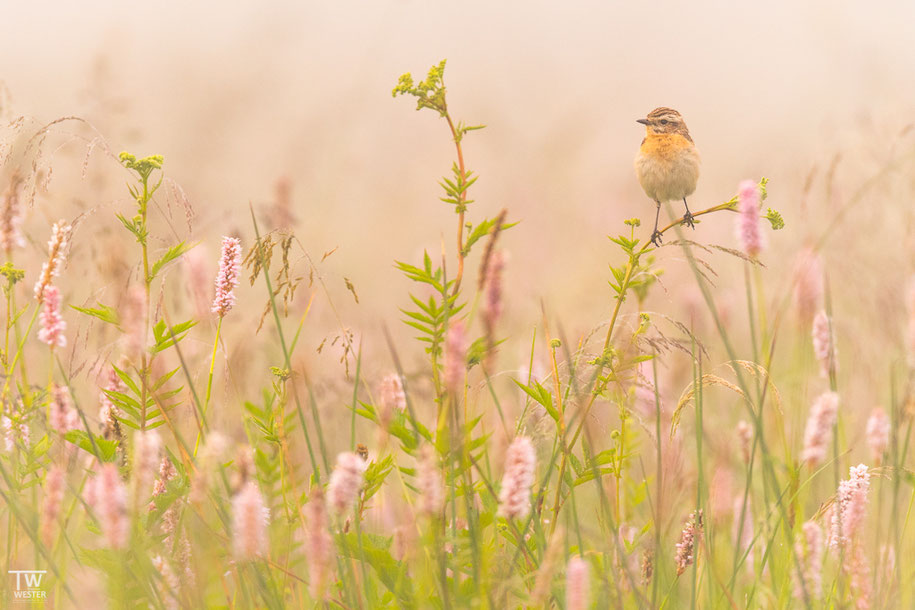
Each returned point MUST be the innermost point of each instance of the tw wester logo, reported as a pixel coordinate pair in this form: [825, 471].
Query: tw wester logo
[28, 586]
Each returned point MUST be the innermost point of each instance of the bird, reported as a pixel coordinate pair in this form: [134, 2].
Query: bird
[667, 164]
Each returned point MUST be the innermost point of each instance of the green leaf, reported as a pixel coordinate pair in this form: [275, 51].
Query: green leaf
[170, 255]
[102, 312]
[80, 438]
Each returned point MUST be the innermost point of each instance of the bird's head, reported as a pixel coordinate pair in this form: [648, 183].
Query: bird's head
[664, 120]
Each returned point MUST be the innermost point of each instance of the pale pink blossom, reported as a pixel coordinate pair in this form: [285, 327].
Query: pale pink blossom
[492, 299]
[62, 416]
[345, 481]
[53, 489]
[455, 357]
[809, 549]
[820, 422]
[808, 283]
[169, 584]
[52, 322]
[824, 345]
[878, 434]
[850, 507]
[429, 482]
[910, 331]
[57, 245]
[110, 503]
[108, 411]
[147, 447]
[578, 584]
[686, 548]
[249, 522]
[749, 233]
[393, 398]
[166, 473]
[319, 545]
[520, 467]
[227, 278]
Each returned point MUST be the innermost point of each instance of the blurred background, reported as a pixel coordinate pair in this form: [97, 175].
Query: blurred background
[242, 96]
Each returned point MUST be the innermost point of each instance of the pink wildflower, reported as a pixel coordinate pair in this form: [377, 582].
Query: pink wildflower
[520, 466]
[227, 278]
[146, 449]
[578, 584]
[824, 346]
[492, 299]
[878, 434]
[249, 517]
[52, 323]
[108, 411]
[60, 235]
[166, 473]
[62, 416]
[819, 428]
[686, 548]
[110, 503]
[455, 357]
[808, 283]
[50, 508]
[810, 551]
[318, 544]
[393, 398]
[751, 237]
[429, 482]
[850, 507]
[345, 481]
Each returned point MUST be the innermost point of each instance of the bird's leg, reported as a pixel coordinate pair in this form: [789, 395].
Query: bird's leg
[656, 235]
[688, 217]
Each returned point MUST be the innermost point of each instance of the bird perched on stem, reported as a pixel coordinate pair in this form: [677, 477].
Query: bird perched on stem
[668, 163]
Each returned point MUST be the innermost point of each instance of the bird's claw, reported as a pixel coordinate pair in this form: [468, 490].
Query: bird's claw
[656, 238]
[688, 220]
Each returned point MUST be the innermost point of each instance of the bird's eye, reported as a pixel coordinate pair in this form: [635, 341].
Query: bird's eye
[663, 121]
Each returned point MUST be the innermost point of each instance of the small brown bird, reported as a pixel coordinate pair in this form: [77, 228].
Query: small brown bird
[668, 163]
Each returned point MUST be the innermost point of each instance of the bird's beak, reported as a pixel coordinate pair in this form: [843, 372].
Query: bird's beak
[642, 121]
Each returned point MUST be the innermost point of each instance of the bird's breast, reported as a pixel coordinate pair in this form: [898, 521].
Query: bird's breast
[667, 167]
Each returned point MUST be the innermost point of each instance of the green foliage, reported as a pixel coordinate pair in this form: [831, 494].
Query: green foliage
[137, 414]
[104, 313]
[430, 317]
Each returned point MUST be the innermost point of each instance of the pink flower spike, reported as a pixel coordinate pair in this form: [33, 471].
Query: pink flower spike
[345, 481]
[249, 517]
[819, 428]
[227, 278]
[824, 344]
[686, 548]
[50, 509]
[60, 236]
[578, 585]
[319, 545]
[52, 323]
[878, 434]
[520, 467]
[110, 500]
[850, 507]
[751, 237]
